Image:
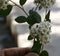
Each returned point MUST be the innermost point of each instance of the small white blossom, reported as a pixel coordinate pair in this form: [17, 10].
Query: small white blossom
[3, 4]
[42, 30]
[45, 3]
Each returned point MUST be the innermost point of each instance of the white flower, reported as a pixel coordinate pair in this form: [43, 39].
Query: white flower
[45, 3]
[34, 29]
[3, 4]
[42, 30]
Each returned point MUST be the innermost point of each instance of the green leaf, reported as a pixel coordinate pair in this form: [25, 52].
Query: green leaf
[31, 20]
[35, 16]
[48, 16]
[30, 26]
[22, 2]
[44, 53]
[21, 19]
[30, 38]
[36, 47]
[6, 11]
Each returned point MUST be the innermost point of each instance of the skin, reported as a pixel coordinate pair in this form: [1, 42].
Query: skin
[15, 52]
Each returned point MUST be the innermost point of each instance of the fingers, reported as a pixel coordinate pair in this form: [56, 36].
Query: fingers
[32, 54]
[16, 51]
[1, 53]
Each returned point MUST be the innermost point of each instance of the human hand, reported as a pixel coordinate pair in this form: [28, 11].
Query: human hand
[14, 52]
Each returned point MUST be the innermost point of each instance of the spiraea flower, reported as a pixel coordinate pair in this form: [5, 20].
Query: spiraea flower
[44, 3]
[3, 4]
[42, 30]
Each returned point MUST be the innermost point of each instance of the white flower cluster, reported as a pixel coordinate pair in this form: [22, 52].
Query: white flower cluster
[42, 30]
[45, 3]
[3, 4]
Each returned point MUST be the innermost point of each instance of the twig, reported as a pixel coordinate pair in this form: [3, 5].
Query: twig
[19, 7]
[36, 7]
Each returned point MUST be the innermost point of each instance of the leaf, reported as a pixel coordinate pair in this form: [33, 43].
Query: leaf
[36, 47]
[30, 38]
[21, 19]
[44, 53]
[48, 16]
[30, 26]
[35, 15]
[31, 20]
[22, 2]
[6, 11]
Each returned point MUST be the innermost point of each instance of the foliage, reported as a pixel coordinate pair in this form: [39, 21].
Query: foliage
[22, 2]
[21, 19]
[39, 30]
[6, 11]
[48, 16]
[36, 47]
[44, 53]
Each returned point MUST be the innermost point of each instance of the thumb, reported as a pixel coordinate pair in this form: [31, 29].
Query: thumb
[32, 54]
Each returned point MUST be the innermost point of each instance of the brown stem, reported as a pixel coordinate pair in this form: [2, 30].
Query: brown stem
[19, 7]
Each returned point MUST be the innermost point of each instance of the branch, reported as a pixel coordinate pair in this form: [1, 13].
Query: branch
[19, 7]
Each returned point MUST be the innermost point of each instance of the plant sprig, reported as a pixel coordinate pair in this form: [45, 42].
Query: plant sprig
[20, 6]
